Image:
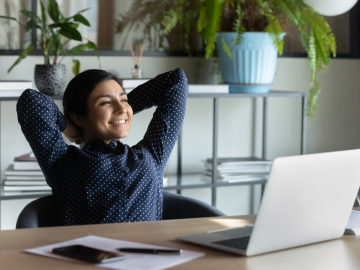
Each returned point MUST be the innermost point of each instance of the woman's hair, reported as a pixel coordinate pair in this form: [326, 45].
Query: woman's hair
[80, 87]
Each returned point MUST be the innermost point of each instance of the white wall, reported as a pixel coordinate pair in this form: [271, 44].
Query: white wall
[336, 126]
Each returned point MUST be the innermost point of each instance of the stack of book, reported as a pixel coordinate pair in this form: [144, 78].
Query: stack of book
[25, 175]
[238, 169]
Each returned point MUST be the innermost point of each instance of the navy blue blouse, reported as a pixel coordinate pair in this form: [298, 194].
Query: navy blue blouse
[107, 183]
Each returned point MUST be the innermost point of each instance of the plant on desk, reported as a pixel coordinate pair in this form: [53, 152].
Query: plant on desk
[251, 30]
[51, 78]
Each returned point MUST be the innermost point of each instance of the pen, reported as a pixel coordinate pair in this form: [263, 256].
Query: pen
[152, 251]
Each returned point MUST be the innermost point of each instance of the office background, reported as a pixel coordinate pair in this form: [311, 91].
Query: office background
[335, 127]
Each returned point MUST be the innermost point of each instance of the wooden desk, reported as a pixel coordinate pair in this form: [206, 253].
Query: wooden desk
[340, 254]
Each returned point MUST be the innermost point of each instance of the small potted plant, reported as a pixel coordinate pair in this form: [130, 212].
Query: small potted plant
[50, 78]
[249, 35]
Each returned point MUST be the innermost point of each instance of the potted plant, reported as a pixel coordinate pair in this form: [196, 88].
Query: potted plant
[51, 78]
[249, 35]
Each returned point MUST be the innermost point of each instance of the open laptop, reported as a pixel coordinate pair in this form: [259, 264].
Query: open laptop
[307, 199]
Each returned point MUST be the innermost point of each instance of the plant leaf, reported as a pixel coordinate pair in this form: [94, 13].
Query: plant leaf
[226, 49]
[275, 31]
[238, 26]
[79, 48]
[75, 66]
[43, 13]
[53, 10]
[50, 45]
[70, 32]
[31, 15]
[56, 25]
[169, 21]
[22, 56]
[31, 24]
[9, 18]
[80, 18]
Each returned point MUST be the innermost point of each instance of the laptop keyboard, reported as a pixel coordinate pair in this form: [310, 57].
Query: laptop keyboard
[240, 243]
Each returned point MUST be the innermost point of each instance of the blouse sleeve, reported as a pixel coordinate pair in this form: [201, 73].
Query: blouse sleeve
[168, 92]
[42, 123]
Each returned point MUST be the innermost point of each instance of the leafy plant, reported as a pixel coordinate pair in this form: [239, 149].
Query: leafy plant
[213, 16]
[51, 35]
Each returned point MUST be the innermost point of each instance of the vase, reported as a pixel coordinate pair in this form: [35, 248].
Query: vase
[252, 68]
[50, 79]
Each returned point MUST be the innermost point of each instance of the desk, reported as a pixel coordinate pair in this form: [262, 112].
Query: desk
[340, 254]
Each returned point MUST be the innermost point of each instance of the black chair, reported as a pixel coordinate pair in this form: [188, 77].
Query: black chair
[45, 212]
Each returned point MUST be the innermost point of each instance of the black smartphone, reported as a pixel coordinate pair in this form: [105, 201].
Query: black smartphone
[88, 254]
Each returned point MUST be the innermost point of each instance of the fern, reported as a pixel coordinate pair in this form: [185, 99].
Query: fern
[238, 26]
[226, 49]
[213, 14]
[275, 31]
[170, 20]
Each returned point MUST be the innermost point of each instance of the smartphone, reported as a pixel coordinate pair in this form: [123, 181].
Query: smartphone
[88, 254]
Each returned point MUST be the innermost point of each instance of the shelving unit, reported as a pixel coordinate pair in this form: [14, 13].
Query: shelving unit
[181, 181]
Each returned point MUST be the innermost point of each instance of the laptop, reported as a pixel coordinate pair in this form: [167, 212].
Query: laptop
[307, 199]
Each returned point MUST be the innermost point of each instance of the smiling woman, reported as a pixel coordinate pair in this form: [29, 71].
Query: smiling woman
[97, 115]
[106, 181]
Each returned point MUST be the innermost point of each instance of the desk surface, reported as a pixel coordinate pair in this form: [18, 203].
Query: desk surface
[343, 253]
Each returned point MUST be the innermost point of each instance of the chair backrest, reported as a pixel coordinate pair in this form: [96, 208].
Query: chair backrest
[45, 211]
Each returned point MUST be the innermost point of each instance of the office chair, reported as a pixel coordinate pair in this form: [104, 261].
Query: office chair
[45, 212]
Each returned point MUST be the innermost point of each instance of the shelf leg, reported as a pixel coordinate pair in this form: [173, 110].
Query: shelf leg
[303, 125]
[264, 130]
[179, 167]
[214, 154]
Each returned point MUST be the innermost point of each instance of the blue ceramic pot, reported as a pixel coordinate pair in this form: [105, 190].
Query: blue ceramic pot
[252, 68]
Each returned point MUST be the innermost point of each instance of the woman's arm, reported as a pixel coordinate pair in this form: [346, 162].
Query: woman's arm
[168, 91]
[42, 123]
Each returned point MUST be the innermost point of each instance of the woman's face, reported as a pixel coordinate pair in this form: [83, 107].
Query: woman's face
[109, 113]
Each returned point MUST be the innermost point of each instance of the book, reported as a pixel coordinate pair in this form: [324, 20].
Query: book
[208, 88]
[240, 161]
[240, 165]
[25, 183]
[10, 171]
[24, 177]
[208, 178]
[26, 165]
[132, 83]
[26, 188]
[27, 157]
[15, 85]
[225, 176]
[353, 225]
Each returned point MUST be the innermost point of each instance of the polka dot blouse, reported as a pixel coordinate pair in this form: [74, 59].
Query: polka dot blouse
[107, 183]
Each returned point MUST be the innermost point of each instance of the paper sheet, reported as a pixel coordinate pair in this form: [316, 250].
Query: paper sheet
[132, 260]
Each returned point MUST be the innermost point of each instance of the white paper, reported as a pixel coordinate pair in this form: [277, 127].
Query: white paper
[132, 261]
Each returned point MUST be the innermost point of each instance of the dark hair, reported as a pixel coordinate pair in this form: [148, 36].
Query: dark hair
[80, 88]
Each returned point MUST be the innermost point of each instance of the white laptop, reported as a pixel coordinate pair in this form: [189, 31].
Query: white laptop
[307, 199]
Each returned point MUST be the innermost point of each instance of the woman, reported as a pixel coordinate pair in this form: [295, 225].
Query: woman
[106, 181]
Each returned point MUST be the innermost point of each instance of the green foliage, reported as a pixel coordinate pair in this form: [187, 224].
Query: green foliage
[51, 34]
[226, 48]
[260, 15]
[238, 26]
